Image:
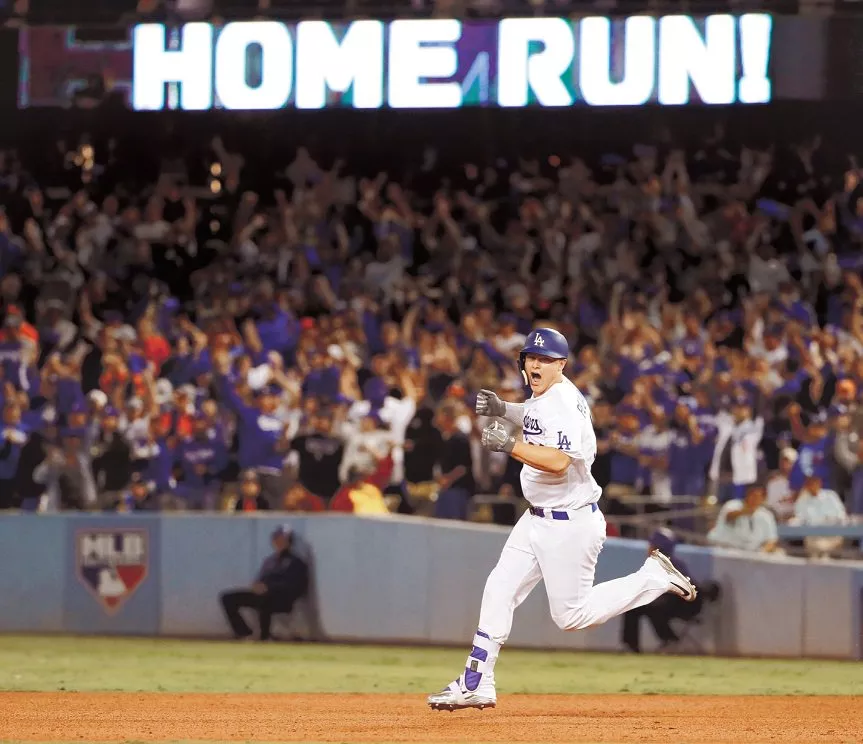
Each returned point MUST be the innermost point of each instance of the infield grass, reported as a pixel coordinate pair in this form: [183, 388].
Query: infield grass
[87, 664]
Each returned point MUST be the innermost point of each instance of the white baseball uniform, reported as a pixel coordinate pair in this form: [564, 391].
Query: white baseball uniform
[561, 546]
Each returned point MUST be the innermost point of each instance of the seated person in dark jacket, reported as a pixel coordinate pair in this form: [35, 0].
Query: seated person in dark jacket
[668, 607]
[282, 580]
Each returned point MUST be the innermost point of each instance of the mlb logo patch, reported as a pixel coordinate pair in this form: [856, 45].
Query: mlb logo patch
[112, 563]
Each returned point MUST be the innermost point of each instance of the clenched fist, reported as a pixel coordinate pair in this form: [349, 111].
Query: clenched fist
[496, 438]
[488, 404]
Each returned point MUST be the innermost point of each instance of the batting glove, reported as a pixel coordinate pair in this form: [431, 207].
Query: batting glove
[496, 438]
[488, 404]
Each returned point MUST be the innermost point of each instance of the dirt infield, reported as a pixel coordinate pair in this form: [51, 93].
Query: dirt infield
[153, 717]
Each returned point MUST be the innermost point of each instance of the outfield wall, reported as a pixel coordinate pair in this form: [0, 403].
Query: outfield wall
[388, 579]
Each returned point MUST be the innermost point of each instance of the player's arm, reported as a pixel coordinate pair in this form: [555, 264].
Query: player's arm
[489, 404]
[514, 413]
[547, 459]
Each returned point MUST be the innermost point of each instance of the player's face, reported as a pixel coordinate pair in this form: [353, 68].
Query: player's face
[542, 372]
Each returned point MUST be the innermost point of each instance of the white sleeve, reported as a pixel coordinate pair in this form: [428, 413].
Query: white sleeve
[759, 430]
[43, 473]
[514, 413]
[565, 429]
[713, 535]
[292, 425]
[722, 437]
[722, 517]
[401, 412]
[721, 533]
[67, 333]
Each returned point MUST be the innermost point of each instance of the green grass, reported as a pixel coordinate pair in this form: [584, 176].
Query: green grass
[54, 663]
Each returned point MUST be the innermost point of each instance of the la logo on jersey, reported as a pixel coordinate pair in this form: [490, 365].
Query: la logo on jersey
[112, 563]
[539, 341]
[562, 441]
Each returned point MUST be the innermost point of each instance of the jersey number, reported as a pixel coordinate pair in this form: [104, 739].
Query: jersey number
[582, 407]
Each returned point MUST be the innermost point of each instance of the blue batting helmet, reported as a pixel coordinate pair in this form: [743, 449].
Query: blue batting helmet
[545, 342]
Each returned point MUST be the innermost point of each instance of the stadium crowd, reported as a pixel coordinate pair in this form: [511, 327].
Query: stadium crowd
[131, 11]
[315, 339]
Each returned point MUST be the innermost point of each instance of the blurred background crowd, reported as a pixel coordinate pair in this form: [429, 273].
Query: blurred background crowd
[203, 324]
[132, 11]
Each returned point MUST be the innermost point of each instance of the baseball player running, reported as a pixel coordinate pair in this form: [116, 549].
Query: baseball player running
[559, 537]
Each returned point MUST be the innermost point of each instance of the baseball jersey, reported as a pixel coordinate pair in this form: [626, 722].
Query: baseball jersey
[560, 418]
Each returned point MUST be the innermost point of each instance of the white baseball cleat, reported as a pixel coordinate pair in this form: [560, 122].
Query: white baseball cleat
[455, 696]
[681, 585]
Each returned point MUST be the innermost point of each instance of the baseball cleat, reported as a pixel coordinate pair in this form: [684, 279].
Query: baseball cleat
[681, 585]
[456, 697]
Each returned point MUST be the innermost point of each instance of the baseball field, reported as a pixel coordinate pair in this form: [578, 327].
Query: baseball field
[67, 689]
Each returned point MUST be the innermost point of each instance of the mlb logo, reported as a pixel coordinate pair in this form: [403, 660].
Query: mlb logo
[112, 563]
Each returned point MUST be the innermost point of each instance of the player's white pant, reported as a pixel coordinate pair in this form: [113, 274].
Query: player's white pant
[563, 553]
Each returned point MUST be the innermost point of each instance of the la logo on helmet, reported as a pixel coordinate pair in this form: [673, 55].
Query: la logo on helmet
[538, 340]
